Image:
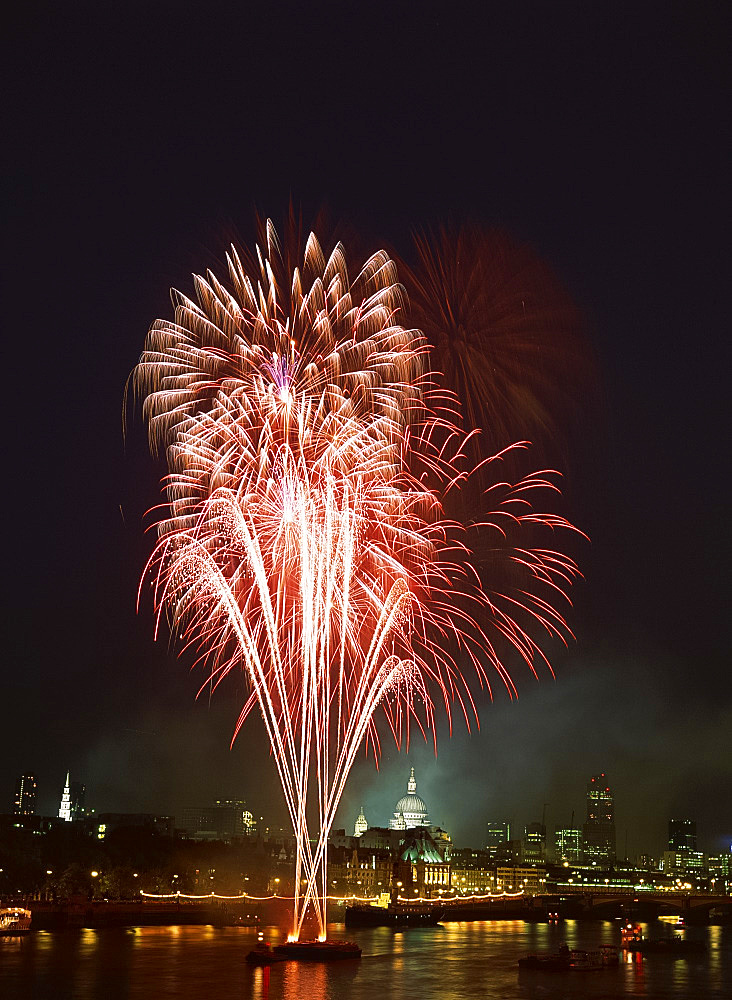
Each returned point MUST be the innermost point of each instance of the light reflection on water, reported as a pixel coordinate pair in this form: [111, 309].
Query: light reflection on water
[450, 962]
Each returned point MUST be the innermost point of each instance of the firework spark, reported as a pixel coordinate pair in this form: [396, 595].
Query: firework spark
[306, 542]
[504, 333]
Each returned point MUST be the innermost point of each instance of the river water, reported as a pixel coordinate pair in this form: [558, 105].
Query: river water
[449, 962]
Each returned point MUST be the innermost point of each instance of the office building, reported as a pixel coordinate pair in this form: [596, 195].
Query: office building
[533, 849]
[681, 835]
[568, 846]
[24, 803]
[599, 828]
[497, 836]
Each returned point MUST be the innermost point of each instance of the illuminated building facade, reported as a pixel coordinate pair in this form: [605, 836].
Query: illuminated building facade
[599, 827]
[359, 873]
[684, 864]
[520, 878]
[361, 825]
[443, 841]
[682, 858]
[568, 846]
[534, 846]
[497, 836]
[472, 871]
[719, 868]
[24, 803]
[410, 811]
[64, 811]
[421, 869]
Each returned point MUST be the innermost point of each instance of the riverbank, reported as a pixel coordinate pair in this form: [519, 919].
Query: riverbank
[48, 916]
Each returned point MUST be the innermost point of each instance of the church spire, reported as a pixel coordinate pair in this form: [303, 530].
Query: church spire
[64, 811]
[361, 824]
[411, 784]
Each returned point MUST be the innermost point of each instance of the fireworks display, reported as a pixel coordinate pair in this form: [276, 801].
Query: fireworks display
[305, 540]
[503, 332]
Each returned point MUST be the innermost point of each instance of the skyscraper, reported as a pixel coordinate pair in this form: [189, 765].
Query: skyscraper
[533, 849]
[497, 835]
[568, 846]
[64, 811]
[498, 840]
[599, 827]
[24, 803]
[681, 835]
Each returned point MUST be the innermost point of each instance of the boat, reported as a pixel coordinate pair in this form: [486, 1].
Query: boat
[262, 953]
[545, 963]
[15, 920]
[318, 951]
[587, 961]
[666, 946]
[572, 960]
[393, 915]
[630, 932]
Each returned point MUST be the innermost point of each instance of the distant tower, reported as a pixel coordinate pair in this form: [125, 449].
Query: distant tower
[24, 803]
[533, 849]
[497, 836]
[599, 827]
[64, 811]
[361, 824]
[681, 835]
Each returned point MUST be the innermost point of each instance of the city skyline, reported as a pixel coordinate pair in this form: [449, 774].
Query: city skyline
[592, 138]
[518, 820]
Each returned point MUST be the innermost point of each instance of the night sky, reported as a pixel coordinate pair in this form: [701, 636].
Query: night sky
[140, 137]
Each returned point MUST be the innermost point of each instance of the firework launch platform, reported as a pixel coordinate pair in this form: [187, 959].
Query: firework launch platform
[318, 951]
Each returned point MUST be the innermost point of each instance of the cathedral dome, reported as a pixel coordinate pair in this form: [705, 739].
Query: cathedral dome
[410, 804]
[410, 811]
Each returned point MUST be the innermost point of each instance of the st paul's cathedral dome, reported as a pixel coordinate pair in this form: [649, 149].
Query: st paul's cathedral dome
[410, 811]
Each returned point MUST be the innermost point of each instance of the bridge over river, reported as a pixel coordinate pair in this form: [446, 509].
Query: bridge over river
[594, 903]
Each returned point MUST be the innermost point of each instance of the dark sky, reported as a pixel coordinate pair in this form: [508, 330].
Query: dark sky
[138, 137]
